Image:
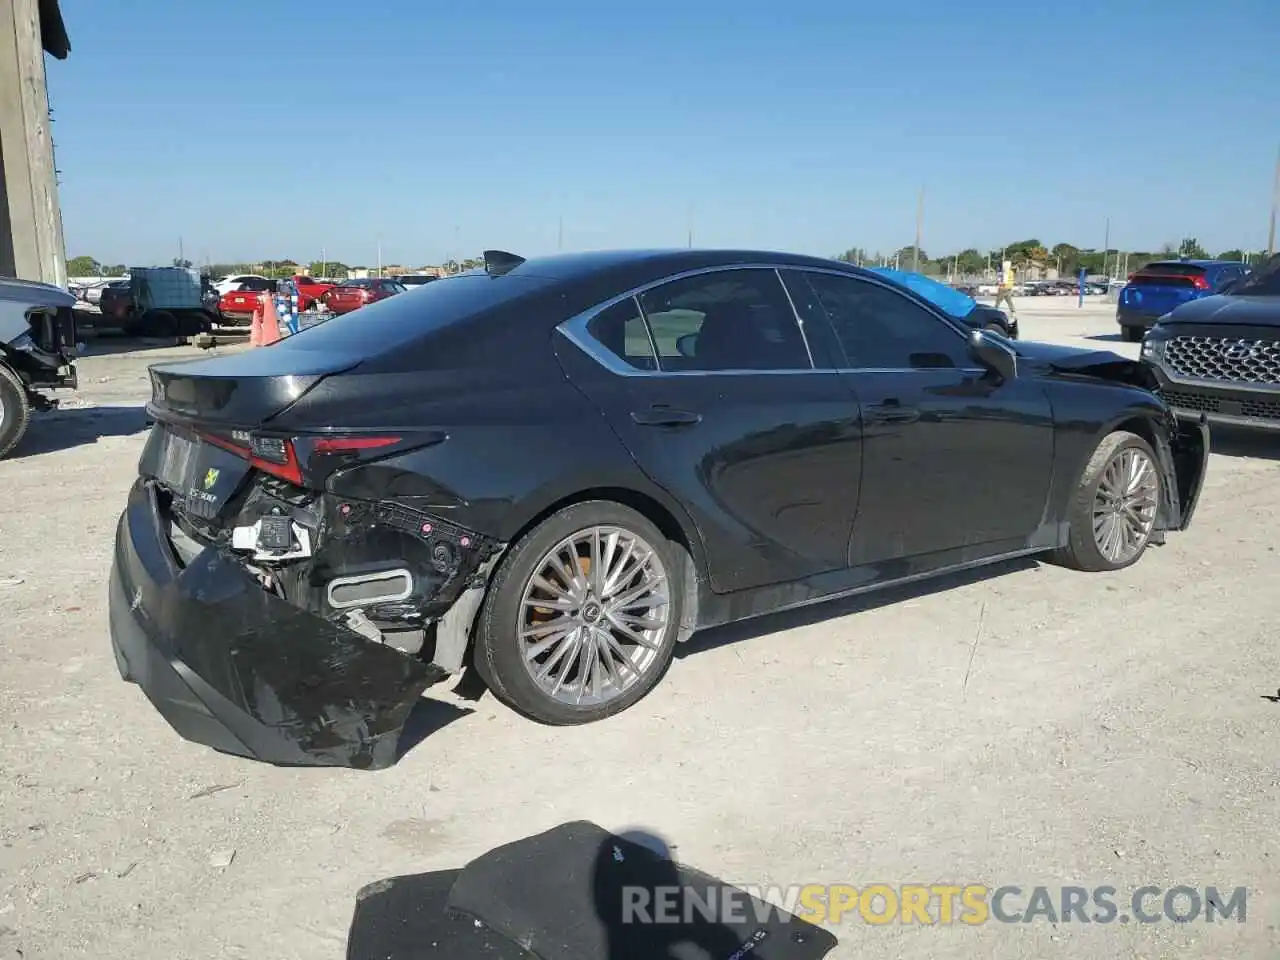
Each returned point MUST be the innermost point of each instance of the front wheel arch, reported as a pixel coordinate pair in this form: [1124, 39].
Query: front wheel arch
[1147, 425]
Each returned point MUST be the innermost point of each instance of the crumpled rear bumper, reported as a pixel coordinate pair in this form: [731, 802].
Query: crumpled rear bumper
[232, 667]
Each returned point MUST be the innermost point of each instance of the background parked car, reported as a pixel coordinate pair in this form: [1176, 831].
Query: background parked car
[236, 306]
[1163, 286]
[235, 282]
[1219, 356]
[354, 294]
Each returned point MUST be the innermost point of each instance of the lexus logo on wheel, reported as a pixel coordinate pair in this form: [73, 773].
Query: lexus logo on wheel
[1239, 350]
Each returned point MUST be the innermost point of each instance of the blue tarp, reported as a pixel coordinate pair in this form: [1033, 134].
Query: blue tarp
[945, 298]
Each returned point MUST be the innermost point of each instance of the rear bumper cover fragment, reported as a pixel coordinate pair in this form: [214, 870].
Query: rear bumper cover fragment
[235, 668]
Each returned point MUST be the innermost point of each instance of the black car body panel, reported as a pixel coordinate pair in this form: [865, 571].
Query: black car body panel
[1218, 358]
[421, 437]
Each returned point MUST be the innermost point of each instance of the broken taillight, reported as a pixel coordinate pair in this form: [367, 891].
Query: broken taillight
[279, 456]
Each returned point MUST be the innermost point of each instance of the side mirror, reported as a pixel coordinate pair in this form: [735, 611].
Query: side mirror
[687, 345]
[993, 354]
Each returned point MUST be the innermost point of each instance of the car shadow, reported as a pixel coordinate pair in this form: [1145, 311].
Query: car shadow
[67, 428]
[713, 637]
[114, 343]
[1244, 443]
[427, 717]
[1107, 337]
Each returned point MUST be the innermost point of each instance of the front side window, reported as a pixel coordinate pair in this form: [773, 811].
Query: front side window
[879, 328]
[725, 320]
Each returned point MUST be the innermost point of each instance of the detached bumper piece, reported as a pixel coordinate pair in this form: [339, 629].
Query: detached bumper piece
[575, 892]
[235, 668]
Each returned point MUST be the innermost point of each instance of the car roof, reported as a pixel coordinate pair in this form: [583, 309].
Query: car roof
[1194, 263]
[576, 266]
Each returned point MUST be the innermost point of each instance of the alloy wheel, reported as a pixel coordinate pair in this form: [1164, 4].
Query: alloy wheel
[1124, 507]
[593, 616]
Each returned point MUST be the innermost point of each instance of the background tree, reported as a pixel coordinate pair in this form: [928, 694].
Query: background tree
[1191, 249]
[83, 267]
[1236, 254]
[184, 264]
[854, 255]
[328, 268]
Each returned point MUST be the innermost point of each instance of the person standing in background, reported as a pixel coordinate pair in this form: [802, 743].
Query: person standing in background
[1005, 293]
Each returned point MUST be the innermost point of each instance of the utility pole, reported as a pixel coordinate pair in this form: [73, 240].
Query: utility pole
[379, 258]
[915, 254]
[1275, 202]
[691, 226]
[560, 236]
[181, 257]
[1106, 245]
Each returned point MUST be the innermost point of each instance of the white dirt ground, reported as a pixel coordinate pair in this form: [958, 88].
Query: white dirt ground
[1113, 730]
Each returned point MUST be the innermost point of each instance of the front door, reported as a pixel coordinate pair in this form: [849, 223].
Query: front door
[709, 383]
[953, 457]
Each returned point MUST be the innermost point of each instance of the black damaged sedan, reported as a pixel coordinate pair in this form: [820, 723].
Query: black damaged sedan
[554, 470]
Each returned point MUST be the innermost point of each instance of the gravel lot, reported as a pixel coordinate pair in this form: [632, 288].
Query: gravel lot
[1025, 725]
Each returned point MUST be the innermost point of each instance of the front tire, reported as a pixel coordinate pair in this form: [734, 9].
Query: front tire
[1132, 334]
[1113, 512]
[15, 411]
[581, 618]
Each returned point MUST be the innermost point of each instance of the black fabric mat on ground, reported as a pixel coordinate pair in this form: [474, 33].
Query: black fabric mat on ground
[576, 893]
[405, 918]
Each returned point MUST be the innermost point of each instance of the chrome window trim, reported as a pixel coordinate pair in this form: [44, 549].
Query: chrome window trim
[575, 328]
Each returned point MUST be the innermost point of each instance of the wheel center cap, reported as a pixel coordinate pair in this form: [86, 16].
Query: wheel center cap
[591, 612]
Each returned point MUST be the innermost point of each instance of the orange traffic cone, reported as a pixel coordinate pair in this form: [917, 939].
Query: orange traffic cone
[255, 327]
[270, 323]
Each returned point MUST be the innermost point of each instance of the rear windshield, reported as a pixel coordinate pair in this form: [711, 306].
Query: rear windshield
[1171, 270]
[398, 321]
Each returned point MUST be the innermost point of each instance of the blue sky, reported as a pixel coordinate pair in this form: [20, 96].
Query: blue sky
[279, 128]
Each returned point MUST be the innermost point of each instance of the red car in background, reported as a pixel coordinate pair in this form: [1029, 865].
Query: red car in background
[310, 291]
[354, 294]
[237, 306]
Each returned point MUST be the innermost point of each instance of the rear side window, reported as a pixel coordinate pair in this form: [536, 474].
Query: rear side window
[620, 329]
[726, 320]
[398, 321]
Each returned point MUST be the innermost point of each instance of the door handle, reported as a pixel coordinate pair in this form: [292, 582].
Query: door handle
[891, 411]
[665, 417]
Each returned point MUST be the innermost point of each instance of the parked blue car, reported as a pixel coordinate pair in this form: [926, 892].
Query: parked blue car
[1165, 285]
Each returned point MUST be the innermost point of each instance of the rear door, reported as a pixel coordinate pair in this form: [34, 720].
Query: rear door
[1160, 287]
[710, 384]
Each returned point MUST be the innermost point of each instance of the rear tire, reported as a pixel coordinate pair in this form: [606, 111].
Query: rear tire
[15, 411]
[517, 652]
[1113, 512]
[159, 324]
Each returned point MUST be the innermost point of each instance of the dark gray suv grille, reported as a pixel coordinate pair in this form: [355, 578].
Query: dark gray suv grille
[1219, 358]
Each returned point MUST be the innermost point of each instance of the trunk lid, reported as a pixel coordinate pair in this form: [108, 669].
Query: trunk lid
[244, 390]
